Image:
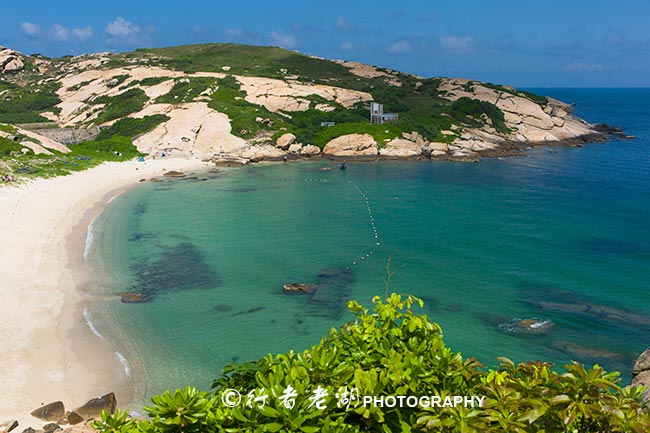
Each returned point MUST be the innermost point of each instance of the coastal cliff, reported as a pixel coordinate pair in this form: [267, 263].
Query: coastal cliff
[240, 103]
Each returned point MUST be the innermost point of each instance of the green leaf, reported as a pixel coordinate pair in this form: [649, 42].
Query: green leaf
[273, 427]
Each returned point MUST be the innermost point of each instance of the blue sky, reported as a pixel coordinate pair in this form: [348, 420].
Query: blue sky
[551, 43]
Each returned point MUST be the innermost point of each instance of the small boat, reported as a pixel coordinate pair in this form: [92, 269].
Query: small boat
[342, 166]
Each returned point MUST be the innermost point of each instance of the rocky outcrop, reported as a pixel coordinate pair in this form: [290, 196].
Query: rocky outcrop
[286, 96]
[401, 148]
[547, 121]
[263, 152]
[10, 61]
[641, 373]
[79, 419]
[7, 426]
[351, 145]
[310, 150]
[93, 408]
[295, 148]
[50, 412]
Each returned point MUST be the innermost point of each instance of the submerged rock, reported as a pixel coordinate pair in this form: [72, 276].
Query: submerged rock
[527, 326]
[180, 267]
[50, 412]
[605, 312]
[133, 298]
[583, 353]
[297, 288]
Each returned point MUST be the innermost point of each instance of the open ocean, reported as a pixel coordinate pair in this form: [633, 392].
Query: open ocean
[560, 235]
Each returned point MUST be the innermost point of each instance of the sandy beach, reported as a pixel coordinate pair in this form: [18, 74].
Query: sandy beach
[48, 351]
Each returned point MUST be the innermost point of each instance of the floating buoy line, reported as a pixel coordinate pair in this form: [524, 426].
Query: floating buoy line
[366, 201]
[372, 222]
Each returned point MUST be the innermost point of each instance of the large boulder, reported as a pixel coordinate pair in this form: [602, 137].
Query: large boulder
[10, 61]
[310, 150]
[285, 140]
[93, 408]
[641, 373]
[351, 145]
[295, 148]
[50, 412]
[401, 148]
[261, 152]
[416, 137]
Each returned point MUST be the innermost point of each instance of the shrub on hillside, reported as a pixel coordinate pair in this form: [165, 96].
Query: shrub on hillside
[132, 127]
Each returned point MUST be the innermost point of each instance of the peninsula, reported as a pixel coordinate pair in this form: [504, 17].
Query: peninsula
[238, 103]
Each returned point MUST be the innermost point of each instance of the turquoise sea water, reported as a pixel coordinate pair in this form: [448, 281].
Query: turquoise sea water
[561, 235]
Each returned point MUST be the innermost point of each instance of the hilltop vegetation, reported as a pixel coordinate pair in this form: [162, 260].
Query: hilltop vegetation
[392, 351]
[238, 100]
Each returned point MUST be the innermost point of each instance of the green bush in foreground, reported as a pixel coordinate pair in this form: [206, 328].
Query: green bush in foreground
[391, 351]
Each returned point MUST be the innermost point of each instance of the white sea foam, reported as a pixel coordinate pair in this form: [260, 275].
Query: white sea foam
[91, 325]
[125, 364]
[89, 238]
[120, 357]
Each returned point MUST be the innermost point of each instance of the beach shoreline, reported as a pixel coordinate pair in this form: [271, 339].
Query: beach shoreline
[50, 352]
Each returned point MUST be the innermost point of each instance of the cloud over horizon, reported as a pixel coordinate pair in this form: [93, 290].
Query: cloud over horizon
[282, 40]
[514, 44]
[57, 33]
[400, 47]
[458, 44]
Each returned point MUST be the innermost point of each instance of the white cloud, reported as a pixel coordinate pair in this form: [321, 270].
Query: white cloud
[578, 66]
[342, 24]
[347, 46]
[455, 43]
[615, 38]
[60, 33]
[121, 28]
[400, 47]
[83, 33]
[236, 33]
[282, 40]
[30, 29]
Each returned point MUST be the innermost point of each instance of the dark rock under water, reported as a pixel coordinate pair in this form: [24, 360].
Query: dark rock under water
[222, 308]
[180, 267]
[562, 302]
[613, 247]
[240, 190]
[328, 294]
[143, 236]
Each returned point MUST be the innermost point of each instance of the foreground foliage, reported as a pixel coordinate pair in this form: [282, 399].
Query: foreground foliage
[391, 351]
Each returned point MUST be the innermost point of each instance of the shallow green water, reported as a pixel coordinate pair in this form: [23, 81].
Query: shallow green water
[481, 243]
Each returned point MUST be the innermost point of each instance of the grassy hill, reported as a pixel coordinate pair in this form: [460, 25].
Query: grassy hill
[266, 92]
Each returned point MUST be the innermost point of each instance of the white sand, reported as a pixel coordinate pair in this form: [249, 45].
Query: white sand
[47, 352]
